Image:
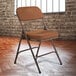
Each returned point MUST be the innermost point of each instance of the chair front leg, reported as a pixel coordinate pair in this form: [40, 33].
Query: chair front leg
[33, 56]
[56, 52]
[18, 50]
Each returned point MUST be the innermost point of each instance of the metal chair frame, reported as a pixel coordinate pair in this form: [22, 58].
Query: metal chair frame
[23, 36]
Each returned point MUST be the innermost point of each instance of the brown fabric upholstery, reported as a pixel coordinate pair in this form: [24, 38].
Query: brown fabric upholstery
[29, 13]
[42, 34]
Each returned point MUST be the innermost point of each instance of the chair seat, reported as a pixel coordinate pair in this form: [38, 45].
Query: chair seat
[42, 34]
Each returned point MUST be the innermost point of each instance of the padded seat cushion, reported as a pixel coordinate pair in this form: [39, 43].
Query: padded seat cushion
[42, 34]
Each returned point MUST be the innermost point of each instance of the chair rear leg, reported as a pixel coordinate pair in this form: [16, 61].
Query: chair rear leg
[34, 56]
[18, 50]
[38, 49]
[56, 52]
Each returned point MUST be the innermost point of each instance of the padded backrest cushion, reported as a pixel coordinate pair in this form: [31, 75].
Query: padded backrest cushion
[29, 13]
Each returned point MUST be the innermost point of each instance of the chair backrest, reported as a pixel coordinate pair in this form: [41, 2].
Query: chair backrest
[29, 13]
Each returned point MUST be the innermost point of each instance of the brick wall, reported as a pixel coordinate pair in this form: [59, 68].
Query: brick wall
[65, 22]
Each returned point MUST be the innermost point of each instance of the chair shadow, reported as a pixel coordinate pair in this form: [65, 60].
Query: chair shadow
[39, 61]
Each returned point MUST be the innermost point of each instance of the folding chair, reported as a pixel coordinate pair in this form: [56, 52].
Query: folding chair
[33, 13]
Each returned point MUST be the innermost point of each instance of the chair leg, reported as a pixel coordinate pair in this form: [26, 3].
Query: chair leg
[18, 50]
[56, 52]
[38, 49]
[34, 56]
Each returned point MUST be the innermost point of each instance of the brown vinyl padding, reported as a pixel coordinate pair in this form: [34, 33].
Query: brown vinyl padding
[29, 13]
[42, 34]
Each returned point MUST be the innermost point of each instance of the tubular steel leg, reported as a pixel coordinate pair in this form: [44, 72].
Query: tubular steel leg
[56, 53]
[38, 49]
[34, 56]
[18, 50]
